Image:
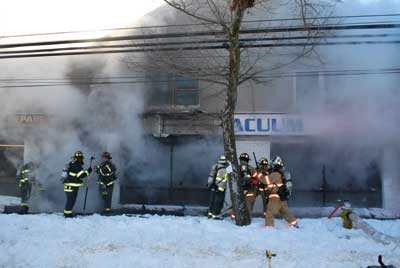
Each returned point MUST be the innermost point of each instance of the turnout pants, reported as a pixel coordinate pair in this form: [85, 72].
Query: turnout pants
[216, 202]
[71, 192]
[251, 197]
[26, 189]
[275, 206]
[106, 192]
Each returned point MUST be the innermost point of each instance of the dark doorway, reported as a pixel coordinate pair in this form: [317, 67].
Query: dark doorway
[324, 173]
[174, 173]
[10, 157]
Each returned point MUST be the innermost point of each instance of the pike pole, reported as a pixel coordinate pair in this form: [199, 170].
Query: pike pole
[87, 187]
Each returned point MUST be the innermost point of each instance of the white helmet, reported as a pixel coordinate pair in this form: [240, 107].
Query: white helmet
[277, 162]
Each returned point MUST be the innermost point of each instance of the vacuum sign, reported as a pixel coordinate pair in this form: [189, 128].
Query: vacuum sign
[268, 124]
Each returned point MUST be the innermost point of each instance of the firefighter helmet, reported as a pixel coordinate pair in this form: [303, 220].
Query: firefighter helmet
[264, 163]
[277, 162]
[106, 155]
[244, 157]
[222, 160]
[78, 155]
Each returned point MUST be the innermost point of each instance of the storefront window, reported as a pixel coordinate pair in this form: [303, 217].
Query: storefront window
[169, 90]
[186, 92]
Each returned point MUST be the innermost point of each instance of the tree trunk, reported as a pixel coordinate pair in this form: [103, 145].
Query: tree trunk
[235, 182]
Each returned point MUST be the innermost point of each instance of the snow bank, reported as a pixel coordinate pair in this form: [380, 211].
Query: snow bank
[121, 241]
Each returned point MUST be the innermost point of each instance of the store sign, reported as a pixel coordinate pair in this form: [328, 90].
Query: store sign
[268, 124]
[28, 119]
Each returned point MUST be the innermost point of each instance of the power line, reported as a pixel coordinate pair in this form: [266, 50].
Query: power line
[355, 72]
[159, 44]
[264, 30]
[197, 24]
[198, 48]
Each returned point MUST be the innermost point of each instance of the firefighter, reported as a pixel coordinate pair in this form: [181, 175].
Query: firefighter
[250, 184]
[217, 184]
[106, 179]
[277, 163]
[26, 178]
[72, 176]
[262, 181]
[277, 195]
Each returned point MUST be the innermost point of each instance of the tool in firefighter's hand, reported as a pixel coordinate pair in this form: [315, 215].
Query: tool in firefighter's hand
[255, 160]
[87, 185]
[255, 180]
[269, 255]
[86, 194]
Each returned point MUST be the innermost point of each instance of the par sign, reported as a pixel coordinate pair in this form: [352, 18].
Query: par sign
[268, 124]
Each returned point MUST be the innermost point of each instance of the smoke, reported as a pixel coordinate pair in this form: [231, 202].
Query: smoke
[81, 116]
[353, 119]
[94, 117]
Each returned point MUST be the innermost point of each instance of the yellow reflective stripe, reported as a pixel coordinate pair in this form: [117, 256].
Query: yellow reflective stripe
[72, 174]
[23, 180]
[221, 189]
[110, 183]
[107, 209]
[80, 173]
[218, 179]
[24, 204]
[25, 171]
[73, 184]
[109, 169]
[67, 211]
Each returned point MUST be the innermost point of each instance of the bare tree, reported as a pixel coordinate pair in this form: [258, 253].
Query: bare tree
[213, 51]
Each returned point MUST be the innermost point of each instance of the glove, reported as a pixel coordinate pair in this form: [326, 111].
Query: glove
[90, 169]
[92, 158]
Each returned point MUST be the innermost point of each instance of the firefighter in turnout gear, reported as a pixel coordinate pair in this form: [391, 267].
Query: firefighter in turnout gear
[260, 179]
[277, 163]
[249, 183]
[72, 176]
[107, 177]
[217, 183]
[277, 195]
[26, 178]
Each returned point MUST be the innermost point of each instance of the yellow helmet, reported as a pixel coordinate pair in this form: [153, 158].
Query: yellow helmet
[264, 163]
[244, 157]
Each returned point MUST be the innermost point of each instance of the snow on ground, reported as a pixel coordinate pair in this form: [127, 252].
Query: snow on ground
[43, 241]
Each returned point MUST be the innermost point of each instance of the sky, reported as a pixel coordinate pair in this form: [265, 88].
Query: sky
[38, 16]
[28, 16]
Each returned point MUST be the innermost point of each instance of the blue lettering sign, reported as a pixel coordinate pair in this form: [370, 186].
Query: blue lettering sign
[248, 126]
[260, 125]
[274, 125]
[238, 125]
